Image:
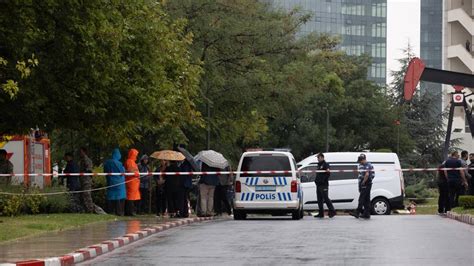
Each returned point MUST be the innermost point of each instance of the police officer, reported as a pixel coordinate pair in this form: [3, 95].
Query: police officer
[366, 175]
[322, 188]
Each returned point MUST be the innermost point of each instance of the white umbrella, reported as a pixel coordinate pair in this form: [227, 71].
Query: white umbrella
[212, 158]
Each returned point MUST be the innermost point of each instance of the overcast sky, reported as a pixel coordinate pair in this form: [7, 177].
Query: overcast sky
[403, 26]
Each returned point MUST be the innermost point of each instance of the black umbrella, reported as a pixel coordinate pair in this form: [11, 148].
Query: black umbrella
[190, 158]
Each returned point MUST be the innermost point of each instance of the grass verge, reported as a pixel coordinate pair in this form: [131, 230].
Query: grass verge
[30, 225]
[428, 207]
[462, 210]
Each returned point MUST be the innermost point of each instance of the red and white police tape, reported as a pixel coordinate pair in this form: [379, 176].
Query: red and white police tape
[93, 251]
[241, 172]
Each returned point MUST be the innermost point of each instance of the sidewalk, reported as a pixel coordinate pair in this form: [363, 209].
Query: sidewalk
[63, 242]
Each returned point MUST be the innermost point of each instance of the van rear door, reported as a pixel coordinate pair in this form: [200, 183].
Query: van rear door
[266, 187]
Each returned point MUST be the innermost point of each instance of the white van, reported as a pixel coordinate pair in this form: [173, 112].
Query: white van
[387, 190]
[276, 194]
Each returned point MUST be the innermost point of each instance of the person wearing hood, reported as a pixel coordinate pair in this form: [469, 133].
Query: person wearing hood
[145, 181]
[115, 184]
[133, 182]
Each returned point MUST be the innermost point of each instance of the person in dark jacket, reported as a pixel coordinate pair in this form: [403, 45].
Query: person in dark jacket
[207, 186]
[160, 200]
[145, 182]
[174, 190]
[72, 182]
[322, 188]
[456, 179]
[222, 203]
[116, 184]
[187, 181]
[443, 200]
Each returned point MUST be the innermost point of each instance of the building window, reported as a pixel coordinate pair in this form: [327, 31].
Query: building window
[379, 30]
[379, 10]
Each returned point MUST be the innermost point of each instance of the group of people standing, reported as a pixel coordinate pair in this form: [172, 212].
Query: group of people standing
[455, 182]
[132, 192]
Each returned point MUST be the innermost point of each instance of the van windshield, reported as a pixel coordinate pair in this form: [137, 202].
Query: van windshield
[266, 162]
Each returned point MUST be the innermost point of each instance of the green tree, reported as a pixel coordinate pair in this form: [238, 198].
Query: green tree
[322, 80]
[419, 116]
[424, 126]
[236, 42]
[111, 72]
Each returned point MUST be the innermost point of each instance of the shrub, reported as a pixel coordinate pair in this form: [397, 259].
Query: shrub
[11, 205]
[466, 201]
[99, 196]
[33, 201]
[419, 191]
[58, 203]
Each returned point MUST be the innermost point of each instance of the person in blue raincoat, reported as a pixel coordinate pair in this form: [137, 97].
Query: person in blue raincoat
[116, 194]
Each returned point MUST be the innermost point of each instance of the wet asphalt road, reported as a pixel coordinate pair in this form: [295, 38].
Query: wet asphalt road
[383, 240]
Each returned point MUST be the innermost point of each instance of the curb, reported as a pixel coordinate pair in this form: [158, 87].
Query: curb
[94, 251]
[463, 218]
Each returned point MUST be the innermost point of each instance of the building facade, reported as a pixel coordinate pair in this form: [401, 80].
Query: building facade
[458, 37]
[362, 25]
[431, 47]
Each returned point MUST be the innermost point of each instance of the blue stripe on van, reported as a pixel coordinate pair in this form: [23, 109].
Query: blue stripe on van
[256, 181]
[253, 194]
[247, 198]
[279, 181]
[284, 196]
[279, 197]
[275, 180]
[289, 196]
[242, 197]
[284, 179]
[247, 181]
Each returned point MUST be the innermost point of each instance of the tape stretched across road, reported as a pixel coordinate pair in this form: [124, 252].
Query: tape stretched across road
[243, 172]
[202, 173]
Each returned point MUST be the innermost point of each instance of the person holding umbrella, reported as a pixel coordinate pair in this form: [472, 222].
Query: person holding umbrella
[212, 161]
[189, 165]
[160, 189]
[174, 185]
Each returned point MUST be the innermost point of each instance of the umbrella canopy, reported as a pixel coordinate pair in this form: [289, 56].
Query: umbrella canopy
[168, 155]
[212, 158]
[190, 159]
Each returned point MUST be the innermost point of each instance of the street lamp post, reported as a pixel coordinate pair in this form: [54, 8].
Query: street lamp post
[327, 128]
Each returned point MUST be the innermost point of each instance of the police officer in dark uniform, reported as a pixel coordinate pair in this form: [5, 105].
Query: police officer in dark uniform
[366, 175]
[322, 188]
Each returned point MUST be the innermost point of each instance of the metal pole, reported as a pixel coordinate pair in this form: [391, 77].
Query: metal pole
[208, 126]
[398, 138]
[327, 129]
[448, 131]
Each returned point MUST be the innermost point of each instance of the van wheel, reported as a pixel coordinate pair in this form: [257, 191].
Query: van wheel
[380, 206]
[296, 215]
[301, 213]
[239, 215]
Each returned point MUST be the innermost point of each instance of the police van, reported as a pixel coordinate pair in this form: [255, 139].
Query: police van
[387, 190]
[276, 194]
